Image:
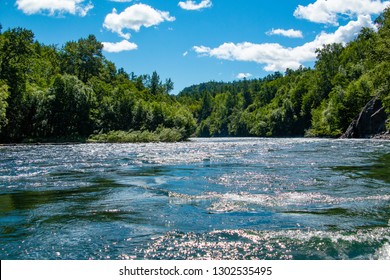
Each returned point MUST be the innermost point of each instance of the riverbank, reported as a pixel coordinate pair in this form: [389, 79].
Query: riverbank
[163, 135]
[382, 136]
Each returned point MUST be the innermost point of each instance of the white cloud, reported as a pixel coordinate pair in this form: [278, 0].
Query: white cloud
[53, 7]
[244, 75]
[277, 57]
[119, 47]
[134, 17]
[185, 53]
[328, 11]
[291, 33]
[202, 50]
[192, 6]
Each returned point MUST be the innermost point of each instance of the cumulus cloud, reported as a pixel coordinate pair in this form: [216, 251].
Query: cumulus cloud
[193, 6]
[124, 45]
[277, 57]
[328, 11]
[54, 7]
[134, 17]
[291, 33]
[243, 75]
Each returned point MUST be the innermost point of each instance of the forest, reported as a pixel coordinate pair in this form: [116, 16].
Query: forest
[73, 93]
[318, 102]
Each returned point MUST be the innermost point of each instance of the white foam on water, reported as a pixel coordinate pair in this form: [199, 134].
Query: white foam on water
[239, 202]
[277, 200]
[226, 206]
[252, 244]
[282, 199]
[22, 175]
[383, 253]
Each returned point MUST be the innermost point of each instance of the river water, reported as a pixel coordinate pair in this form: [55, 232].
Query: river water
[230, 198]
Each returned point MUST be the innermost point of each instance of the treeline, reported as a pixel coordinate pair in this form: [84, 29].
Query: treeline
[314, 102]
[73, 92]
[69, 93]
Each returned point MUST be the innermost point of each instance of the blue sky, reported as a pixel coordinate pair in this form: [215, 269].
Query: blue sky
[201, 40]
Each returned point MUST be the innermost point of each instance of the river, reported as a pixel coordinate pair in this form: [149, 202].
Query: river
[232, 198]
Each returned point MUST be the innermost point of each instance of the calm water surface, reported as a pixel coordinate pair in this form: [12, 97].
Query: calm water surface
[203, 199]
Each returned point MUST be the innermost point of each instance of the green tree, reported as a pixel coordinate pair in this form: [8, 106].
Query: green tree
[327, 66]
[169, 85]
[382, 46]
[3, 104]
[206, 106]
[83, 58]
[16, 51]
[155, 83]
[70, 107]
[246, 94]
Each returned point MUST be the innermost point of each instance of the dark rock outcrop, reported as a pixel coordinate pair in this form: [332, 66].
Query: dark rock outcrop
[370, 122]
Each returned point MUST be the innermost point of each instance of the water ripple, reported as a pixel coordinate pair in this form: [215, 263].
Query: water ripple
[234, 198]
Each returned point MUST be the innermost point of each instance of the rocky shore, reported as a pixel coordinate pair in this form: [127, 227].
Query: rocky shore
[371, 122]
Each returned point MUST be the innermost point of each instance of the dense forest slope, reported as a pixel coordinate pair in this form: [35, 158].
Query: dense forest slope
[66, 94]
[60, 94]
[325, 101]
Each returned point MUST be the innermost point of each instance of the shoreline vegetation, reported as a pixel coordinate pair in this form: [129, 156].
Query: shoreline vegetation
[166, 135]
[74, 94]
[144, 137]
[161, 135]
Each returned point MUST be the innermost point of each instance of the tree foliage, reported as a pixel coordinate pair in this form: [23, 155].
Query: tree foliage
[57, 94]
[3, 104]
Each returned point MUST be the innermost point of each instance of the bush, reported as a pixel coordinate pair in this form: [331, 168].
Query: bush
[160, 135]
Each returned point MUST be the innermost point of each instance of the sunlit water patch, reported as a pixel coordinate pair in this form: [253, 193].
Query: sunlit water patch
[203, 199]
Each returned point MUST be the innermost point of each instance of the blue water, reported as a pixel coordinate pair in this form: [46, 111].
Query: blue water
[204, 199]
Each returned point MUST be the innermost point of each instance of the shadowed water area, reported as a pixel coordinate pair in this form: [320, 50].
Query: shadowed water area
[204, 199]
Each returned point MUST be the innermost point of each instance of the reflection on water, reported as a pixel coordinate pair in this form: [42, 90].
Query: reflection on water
[378, 169]
[204, 199]
[381, 169]
[26, 200]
